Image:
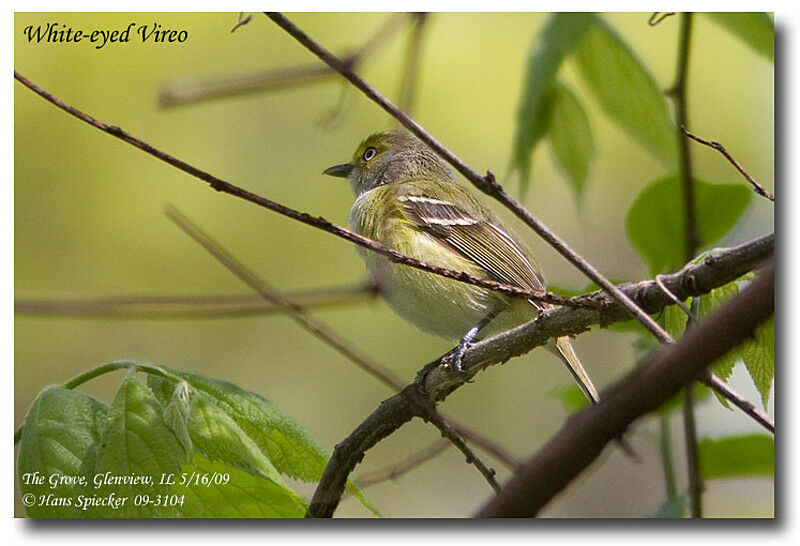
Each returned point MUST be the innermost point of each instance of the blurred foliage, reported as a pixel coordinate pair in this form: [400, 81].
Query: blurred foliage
[737, 456]
[88, 214]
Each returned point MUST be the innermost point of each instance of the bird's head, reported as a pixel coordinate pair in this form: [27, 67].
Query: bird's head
[387, 157]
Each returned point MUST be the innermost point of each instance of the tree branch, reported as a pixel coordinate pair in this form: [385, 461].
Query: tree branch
[215, 306]
[693, 280]
[486, 184]
[314, 221]
[406, 465]
[758, 188]
[585, 435]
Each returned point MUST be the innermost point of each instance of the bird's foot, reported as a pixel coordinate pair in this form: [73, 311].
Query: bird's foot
[455, 359]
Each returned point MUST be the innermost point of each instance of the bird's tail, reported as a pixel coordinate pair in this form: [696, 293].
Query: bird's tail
[569, 357]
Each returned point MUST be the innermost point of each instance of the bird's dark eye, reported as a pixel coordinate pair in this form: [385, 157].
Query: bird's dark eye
[369, 153]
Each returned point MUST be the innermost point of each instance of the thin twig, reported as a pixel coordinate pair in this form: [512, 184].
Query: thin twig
[314, 221]
[582, 439]
[406, 465]
[660, 282]
[487, 184]
[758, 188]
[693, 470]
[722, 388]
[693, 280]
[190, 307]
[242, 21]
[321, 331]
[655, 19]
[665, 448]
[411, 69]
[192, 89]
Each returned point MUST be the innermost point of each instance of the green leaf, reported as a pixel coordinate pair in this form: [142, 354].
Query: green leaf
[559, 36]
[758, 355]
[60, 437]
[672, 508]
[759, 358]
[674, 320]
[570, 135]
[237, 494]
[737, 456]
[287, 446]
[654, 223]
[626, 90]
[136, 443]
[571, 398]
[756, 29]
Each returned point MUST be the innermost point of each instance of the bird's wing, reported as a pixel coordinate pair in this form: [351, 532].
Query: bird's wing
[475, 236]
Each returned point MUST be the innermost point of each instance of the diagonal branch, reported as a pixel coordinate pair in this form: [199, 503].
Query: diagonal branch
[486, 184]
[585, 435]
[693, 280]
[305, 218]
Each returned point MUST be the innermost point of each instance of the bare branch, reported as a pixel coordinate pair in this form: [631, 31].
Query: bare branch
[215, 306]
[314, 221]
[655, 19]
[438, 382]
[586, 434]
[192, 89]
[486, 184]
[758, 188]
[406, 465]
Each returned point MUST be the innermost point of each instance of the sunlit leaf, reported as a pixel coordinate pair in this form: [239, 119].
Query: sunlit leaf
[60, 437]
[756, 29]
[286, 445]
[137, 442]
[235, 494]
[626, 90]
[561, 33]
[759, 357]
[655, 222]
[737, 456]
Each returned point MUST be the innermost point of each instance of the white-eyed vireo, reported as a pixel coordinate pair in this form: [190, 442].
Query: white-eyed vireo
[407, 199]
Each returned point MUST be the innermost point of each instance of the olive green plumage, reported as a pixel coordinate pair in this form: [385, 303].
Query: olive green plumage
[407, 198]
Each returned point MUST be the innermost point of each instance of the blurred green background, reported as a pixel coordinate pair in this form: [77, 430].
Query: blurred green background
[89, 222]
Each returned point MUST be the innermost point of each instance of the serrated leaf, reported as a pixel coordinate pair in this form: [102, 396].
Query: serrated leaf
[561, 33]
[242, 495]
[60, 437]
[674, 320]
[759, 358]
[219, 438]
[737, 456]
[672, 508]
[569, 135]
[136, 443]
[291, 450]
[655, 226]
[626, 90]
[756, 29]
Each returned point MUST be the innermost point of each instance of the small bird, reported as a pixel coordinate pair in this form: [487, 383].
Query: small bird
[407, 198]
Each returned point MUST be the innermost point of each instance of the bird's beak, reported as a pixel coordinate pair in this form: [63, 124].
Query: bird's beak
[340, 171]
